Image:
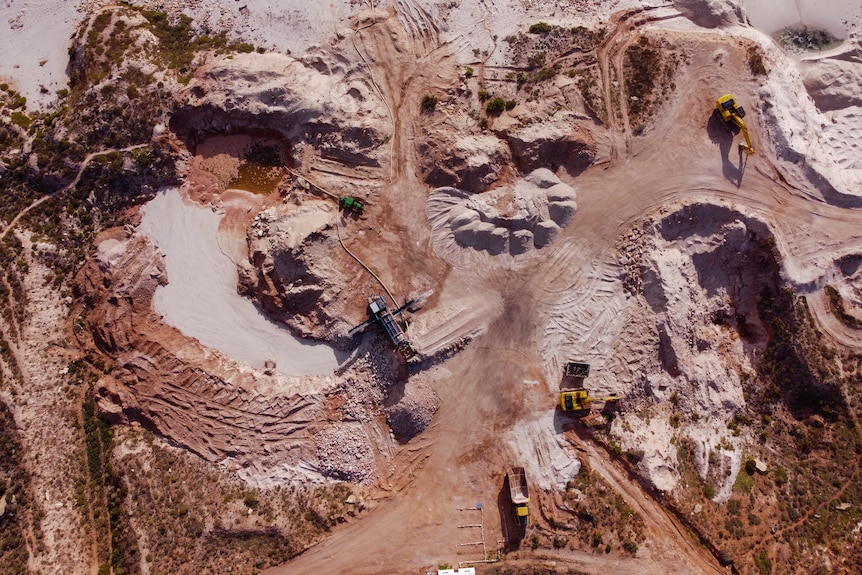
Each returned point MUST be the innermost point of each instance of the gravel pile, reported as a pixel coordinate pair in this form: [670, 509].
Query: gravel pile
[413, 412]
[344, 453]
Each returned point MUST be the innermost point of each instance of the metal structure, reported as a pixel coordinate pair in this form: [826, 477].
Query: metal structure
[577, 369]
[381, 315]
[733, 113]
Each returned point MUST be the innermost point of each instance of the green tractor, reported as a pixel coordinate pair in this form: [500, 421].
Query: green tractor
[351, 204]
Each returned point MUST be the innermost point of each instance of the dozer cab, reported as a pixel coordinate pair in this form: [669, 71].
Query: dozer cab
[733, 113]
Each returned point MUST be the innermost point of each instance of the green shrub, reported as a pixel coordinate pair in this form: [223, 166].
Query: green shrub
[429, 103]
[763, 562]
[20, 119]
[468, 73]
[536, 60]
[495, 106]
[510, 104]
[540, 28]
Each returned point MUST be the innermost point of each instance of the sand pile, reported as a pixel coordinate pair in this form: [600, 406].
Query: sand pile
[512, 220]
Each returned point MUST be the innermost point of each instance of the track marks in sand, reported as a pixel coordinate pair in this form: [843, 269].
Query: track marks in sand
[583, 300]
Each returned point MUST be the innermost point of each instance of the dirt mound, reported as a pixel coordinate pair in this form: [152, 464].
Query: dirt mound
[290, 273]
[276, 95]
[552, 144]
[411, 413]
[472, 163]
[834, 84]
[227, 412]
[345, 453]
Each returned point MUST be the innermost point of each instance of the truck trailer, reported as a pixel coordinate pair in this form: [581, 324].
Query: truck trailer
[520, 495]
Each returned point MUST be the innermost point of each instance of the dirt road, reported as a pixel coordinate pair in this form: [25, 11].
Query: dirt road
[437, 479]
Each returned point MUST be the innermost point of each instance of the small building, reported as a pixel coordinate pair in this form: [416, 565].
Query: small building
[760, 466]
[461, 571]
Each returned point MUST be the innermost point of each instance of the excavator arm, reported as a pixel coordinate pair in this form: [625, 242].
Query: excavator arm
[749, 149]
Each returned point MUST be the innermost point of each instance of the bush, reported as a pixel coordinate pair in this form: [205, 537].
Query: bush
[429, 103]
[21, 120]
[540, 28]
[495, 107]
[510, 104]
[537, 60]
[750, 466]
[468, 73]
[763, 562]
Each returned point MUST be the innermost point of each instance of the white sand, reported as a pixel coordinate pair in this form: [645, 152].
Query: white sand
[201, 299]
[772, 15]
[33, 32]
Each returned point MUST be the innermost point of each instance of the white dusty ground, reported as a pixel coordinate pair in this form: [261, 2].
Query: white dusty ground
[201, 298]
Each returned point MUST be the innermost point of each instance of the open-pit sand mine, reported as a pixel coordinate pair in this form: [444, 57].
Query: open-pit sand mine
[551, 232]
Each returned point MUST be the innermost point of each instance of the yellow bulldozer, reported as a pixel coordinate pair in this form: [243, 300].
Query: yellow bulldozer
[733, 113]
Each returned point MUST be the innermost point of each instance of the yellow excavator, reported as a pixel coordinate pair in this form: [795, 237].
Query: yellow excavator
[580, 399]
[731, 112]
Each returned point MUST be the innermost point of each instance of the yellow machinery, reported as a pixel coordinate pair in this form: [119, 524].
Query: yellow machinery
[579, 399]
[731, 112]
